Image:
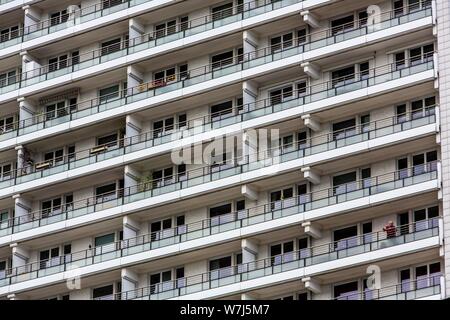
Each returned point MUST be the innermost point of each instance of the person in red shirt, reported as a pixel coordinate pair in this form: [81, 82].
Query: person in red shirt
[390, 229]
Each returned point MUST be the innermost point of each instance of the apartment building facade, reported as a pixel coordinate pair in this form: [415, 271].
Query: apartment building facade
[348, 200]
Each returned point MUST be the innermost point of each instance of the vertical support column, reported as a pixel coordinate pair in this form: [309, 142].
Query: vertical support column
[73, 12]
[30, 66]
[20, 256]
[442, 13]
[131, 228]
[136, 30]
[312, 285]
[249, 146]
[250, 44]
[250, 194]
[249, 252]
[32, 17]
[24, 160]
[133, 128]
[132, 178]
[22, 208]
[134, 78]
[27, 109]
[249, 296]
[129, 283]
[249, 94]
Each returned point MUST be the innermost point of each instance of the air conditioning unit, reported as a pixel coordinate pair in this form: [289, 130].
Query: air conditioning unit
[99, 149]
[43, 165]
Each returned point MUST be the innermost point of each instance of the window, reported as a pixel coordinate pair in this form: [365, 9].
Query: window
[365, 123]
[364, 71]
[221, 162]
[105, 292]
[160, 282]
[220, 214]
[345, 238]
[287, 143]
[57, 63]
[400, 60]
[400, 112]
[5, 171]
[425, 218]
[425, 276]
[302, 140]
[223, 59]
[106, 243]
[416, 56]
[184, 23]
[75, 57]
[104, 240]
[161, 229]
[54, 157]
[8, 78]
[2, 269]
[342, 25]
[346, 291]
[109, 140]
[277, 198]
[109, 93]
[55, 110]
[162, 177]
[280, 95]
[220, 268]
[366, 177]
[4, 221]
[281, 42]
[362, 18]
[301, 89]
[222, 11]
[166, 126]
[398, 8]
[51, 207]
[58, 17]
[282, 253]
[110, 46]
[222, 110]
[9, 33]
[344, 183]
[343, 76]
[49, 258]
[301, 36]
[344, 129]
[169, 75]
[166, 28]
[424, 162]
[421, 54]
[106, 193]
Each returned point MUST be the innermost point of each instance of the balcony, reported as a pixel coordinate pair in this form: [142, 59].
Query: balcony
[285, 159]
[293, 265]
[9, 5]
[425, 287]
[37, 80]
[149, 141]
[80, 20]
[270, 217]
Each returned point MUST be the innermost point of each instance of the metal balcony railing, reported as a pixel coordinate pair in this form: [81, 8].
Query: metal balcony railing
[304, 96]
[421, 287]
[282, 263]
[237, 63]
[69, 19]
[225, 118]
[235, 220]
[280, 154]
